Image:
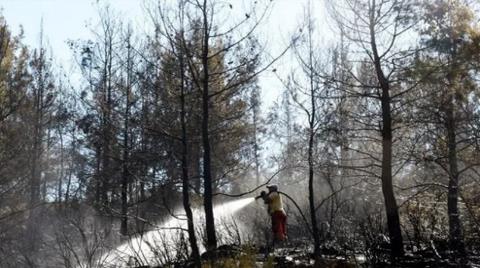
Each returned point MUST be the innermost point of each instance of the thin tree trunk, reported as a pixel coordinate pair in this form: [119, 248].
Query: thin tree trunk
[36, 154]
[105, 174]
[98, 175]
[256, 147]
[125, 173]
[207, 198]
[62, 168]
[312, 121]
[197, 167]
[126, 150]
[311, 195]
[144, 122]
[124, 223]
[35, 176]
[37, 138]
[67, 188]
[455, 227]
[393, 218]
[185, 177]
[107, 123]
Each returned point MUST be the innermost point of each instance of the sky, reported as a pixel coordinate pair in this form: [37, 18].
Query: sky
[65, 20]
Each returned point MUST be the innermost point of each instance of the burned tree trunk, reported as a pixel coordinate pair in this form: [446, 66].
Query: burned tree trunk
[393, 218]
[208, 197]
[311, 193]
[126, 151]
[185, 176]
[455, 228]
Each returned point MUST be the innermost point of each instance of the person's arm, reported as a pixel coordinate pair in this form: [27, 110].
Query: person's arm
[262, 195]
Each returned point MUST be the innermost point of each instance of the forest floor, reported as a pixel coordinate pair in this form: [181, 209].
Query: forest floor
[232, 256]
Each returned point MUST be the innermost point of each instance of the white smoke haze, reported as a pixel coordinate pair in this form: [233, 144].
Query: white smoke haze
[163, 244]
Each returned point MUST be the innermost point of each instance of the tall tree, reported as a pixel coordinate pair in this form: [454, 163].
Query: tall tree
[376, 27]
[100, 67]
[14, 79]
[40, 97]
[222, 66]
[307, 96]
[205, 81]
[39, 112]
[127, 144]
[14, 82]
[257, 129]
[448, 34]
[180, 93]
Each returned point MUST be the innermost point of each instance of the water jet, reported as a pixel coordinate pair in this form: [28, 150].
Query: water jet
[161, 245]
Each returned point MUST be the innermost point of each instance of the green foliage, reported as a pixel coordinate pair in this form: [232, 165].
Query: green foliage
[448, 24]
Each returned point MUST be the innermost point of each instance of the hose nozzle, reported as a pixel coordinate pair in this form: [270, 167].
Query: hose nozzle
[262, 195]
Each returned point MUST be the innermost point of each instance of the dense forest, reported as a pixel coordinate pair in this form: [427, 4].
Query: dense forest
[373, 142]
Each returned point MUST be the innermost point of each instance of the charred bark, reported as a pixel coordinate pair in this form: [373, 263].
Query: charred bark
[455, 228]
[185, 176]
[207, 198]
[125, 173]
[311, 193]
[311, 140]
[393, 218]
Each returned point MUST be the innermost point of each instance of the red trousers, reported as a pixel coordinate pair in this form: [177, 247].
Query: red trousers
[279, 225]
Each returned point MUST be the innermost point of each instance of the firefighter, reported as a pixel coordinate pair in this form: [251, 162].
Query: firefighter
[275, 208]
